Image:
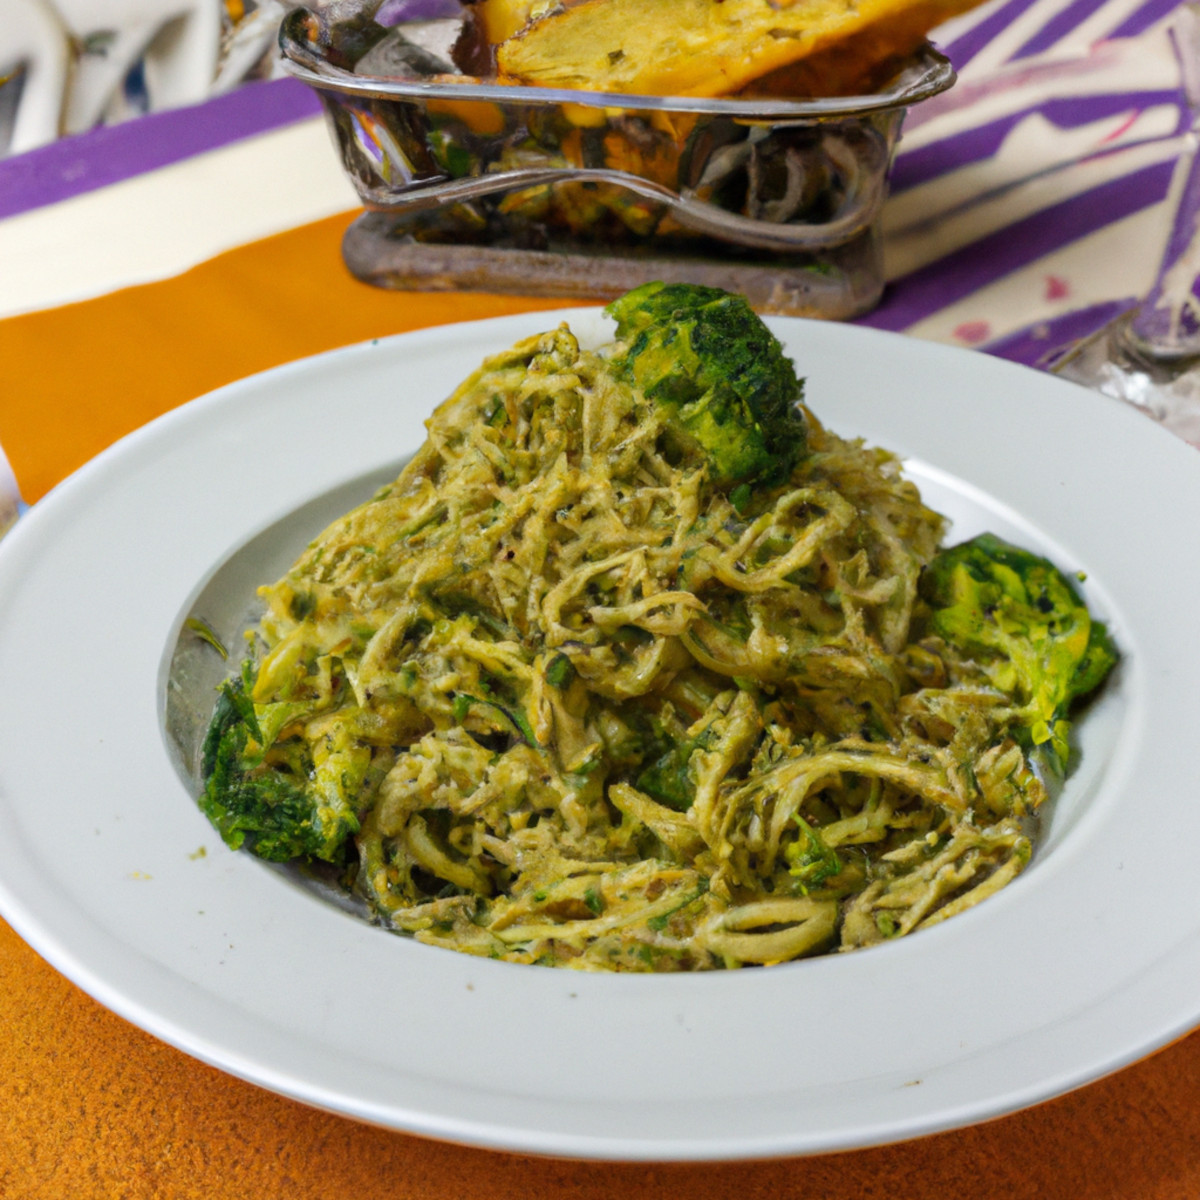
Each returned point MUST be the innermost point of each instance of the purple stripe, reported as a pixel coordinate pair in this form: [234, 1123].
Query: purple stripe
[1141, 20]
[972, 145]
[963, 49]
[1060, 22]
[1053, 77]
[108, 154]
[956, 276]
[392, 12]
[1037, 344]
[1059, 26]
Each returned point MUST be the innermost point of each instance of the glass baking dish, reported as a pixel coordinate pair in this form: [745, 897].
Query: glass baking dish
[476, 185]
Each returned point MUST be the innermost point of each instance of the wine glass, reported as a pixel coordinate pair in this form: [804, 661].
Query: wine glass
[1149, 356]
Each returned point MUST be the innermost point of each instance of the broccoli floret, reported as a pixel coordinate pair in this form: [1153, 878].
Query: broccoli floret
[667, 780]
[665, 770]
[274, 814]
[810, 861]
[1021, 620]
[706, 357]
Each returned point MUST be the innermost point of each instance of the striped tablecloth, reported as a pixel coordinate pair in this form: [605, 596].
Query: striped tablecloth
[1029, 204]
[144, 264]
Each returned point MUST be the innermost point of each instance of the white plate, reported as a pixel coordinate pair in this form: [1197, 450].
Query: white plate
[1088, 961]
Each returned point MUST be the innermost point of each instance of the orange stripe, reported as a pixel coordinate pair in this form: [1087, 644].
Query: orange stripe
[79, 377]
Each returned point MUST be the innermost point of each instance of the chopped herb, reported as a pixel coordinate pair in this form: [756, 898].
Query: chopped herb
[560, 671]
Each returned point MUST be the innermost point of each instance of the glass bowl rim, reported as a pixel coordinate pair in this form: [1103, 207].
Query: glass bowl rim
[301, 60]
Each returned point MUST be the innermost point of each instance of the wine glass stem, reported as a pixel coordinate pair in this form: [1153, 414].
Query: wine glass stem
[1167, 323]
[1166, 326]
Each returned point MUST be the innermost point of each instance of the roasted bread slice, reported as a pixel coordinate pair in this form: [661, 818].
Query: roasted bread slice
[692, 47]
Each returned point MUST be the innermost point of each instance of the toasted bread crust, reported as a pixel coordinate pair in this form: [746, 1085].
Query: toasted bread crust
[692, 47]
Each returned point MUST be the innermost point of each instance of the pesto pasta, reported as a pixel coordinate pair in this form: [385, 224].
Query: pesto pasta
[562, 694]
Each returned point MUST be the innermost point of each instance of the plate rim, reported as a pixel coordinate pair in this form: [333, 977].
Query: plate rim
[27, 924]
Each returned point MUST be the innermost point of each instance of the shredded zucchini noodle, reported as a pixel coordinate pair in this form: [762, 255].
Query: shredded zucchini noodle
[557, 696]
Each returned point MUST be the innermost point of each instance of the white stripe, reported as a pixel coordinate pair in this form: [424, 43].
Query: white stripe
[1141, 64]
[165, 221]
[1102, 24]
[907, 250]
[1022, 299]
[957, 27]
[1036, 18]
[1033, 147]
[1011, 38]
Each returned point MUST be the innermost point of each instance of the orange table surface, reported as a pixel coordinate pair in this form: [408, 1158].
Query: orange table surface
[91, 1106]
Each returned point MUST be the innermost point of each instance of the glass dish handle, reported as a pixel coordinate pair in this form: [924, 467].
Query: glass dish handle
[864, 198]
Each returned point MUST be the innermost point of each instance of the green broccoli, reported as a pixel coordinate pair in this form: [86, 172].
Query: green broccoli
[1019, 617]
[810, 861]
[665, 771]
[666, 778]
[706, 357]
[276, 814]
